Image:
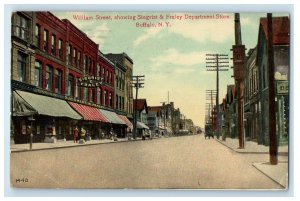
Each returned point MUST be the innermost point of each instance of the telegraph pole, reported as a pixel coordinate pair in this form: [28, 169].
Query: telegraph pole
[273, 149]
[137, 82]
[238, 66]
[217, 62]
[210, 96]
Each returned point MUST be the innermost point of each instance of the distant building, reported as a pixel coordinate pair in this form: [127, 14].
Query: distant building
[140, 105]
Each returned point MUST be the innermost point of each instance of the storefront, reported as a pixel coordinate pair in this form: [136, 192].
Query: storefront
[117, 124]
[46, 117]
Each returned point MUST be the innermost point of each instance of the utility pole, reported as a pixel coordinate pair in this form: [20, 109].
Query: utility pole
[137, 82]
[273, 149]
[217, 62]
[210, 96]
[238, 66]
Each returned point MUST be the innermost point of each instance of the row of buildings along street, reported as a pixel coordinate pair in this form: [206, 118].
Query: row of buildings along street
[60, 80]
[244, 112]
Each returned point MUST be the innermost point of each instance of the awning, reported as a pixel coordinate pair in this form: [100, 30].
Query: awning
[49, 106]
[89, 113]
[20, 107]
[126, 121]
[112, 117]
[141, 125]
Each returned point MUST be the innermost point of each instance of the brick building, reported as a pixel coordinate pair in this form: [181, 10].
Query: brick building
[49, 58]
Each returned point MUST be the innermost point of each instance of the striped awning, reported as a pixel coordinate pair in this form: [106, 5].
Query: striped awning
[88, 113]
[126, 121]
[112, 117]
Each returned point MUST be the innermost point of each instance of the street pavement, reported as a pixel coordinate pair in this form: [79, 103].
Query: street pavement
[188, 162]
[278, 173]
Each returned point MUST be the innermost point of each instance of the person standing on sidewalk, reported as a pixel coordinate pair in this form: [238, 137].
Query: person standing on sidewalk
[75, 134]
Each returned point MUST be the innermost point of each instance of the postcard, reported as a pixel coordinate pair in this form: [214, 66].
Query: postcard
[149, 100]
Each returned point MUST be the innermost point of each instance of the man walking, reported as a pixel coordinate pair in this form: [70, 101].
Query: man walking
[75, 134]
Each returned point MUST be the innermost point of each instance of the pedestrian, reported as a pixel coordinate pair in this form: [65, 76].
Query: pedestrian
[75, 134]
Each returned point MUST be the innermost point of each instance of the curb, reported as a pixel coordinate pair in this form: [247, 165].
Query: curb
[251, 152]
[72, 146]
[284, 187]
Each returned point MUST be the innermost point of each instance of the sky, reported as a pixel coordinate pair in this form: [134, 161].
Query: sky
[171, 53]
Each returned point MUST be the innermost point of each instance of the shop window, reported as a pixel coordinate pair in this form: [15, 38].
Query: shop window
[49, 77]
[46, 32]
[53, 44]
[37, 35]
[21, 67]
[20, 27]
[38, 74]
[58, 81]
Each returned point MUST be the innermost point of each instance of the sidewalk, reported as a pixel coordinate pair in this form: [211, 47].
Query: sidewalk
[63, 144]
[278, 173]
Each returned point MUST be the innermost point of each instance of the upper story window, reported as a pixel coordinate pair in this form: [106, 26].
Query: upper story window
[20, 27]
[21, 67]
[74, 56]
[38, 71]
[58, 81]
[46, 35]
[60, 47]
[53, 44]
[79, 59]
[69, 56]
[49, 77]
[37, 35]
[77, 90]
[70, 85]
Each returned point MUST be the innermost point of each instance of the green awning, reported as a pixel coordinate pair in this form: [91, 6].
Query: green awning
[49, 106]
[20, 107]
[141, 125]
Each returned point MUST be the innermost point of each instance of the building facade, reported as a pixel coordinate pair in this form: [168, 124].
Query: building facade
[51, 60]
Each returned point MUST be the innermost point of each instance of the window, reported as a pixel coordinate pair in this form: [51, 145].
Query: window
[85, 64]
[38, 74]
[77, 90]
[110, 99]
[49, 76]
[60, 52]
[46, 40]
[109, 79]
[21, 67]
[58, 81]
[74, 56]
[85, 93]
[106, 80]
[53, 45]
[37, 35]
[117, 101]
[70, 85]
[91, 98]
[120, 102]
[21, 27]
[123, 103]
[98, 95]
[79, 59]
[98, 70]
[69, 56]
[104, 102]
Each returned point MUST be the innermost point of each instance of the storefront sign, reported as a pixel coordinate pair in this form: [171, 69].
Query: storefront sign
[282, 87]
[90, 81]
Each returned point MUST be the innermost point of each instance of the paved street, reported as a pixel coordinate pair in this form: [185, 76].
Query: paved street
[178, 162]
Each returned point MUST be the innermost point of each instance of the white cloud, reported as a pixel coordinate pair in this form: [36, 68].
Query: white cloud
[174, 57]
[149, 33]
